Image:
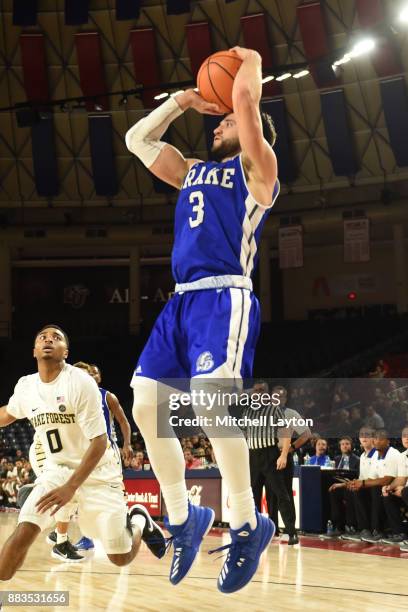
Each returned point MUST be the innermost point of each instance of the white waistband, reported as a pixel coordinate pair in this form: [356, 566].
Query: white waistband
[216, 282]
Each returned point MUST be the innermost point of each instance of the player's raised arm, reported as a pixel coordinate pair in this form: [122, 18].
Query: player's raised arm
[258, 155]
[5, 417]
[143, 139]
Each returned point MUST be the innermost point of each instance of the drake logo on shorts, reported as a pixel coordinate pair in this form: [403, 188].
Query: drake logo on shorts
[205, 362]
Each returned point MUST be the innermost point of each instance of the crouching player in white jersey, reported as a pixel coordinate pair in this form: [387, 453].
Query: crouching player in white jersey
[63, 404]
[211, 325]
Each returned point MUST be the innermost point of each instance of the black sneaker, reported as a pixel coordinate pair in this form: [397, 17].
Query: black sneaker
[66, 552]
[52, 538]
[293, 539]
[396, 538]
[23, 493]
[404, 546]
[152, 534]
[373, 538]
[357, 536]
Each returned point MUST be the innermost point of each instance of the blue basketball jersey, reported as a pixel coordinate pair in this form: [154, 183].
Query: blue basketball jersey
[218, 223]
[108, 416]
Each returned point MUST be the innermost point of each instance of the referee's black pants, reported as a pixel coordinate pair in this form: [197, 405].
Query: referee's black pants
[262, 463]
[272, 500]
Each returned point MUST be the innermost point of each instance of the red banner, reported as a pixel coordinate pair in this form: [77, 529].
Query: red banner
[145, 492]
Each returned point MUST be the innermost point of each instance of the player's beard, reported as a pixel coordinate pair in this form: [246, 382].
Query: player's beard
[227, 148]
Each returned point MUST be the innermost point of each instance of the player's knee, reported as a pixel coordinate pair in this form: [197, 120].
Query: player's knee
[144, 398]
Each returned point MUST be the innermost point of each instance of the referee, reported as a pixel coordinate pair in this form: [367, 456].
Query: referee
[303, 432]
[267, 460]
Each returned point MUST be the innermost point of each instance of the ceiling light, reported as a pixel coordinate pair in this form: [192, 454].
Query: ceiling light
[161, 96]
[267, 79]
[362, 47]
[301, 74]
[343, 60]
[285, 76]
[403, 16]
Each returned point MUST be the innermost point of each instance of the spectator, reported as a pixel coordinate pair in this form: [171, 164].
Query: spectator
[393, 502]
[347, 459]
[373, 420]
[210, 457]
[136, 465]
[355, 420]
[190, 461]
[381, 370]
[321, 453]
[369, 491]
[342, 499]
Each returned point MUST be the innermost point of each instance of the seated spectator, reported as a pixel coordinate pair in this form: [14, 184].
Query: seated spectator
[354, 526]
[342, 512]
[321, 453]
[381, 370]
[393, 501]
[372, 419]
[209, 455]
[347, 460]
[135, 464]
[369, 502]
[190, 461]
[139, 456]
[355, 420]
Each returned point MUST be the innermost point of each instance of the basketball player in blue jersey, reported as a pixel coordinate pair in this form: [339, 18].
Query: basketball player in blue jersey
[211, 325]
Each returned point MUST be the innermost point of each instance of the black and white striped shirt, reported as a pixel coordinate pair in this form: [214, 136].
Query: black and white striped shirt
[264, 434]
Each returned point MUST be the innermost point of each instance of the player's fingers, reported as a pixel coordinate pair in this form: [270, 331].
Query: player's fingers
[47, 503]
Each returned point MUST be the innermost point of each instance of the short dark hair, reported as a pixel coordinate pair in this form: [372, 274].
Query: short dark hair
[54, 326]
[381, 433]
[82, 365]
[268, 128]
[346, 438]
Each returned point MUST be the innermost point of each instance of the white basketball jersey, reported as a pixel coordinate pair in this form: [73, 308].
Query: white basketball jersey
[66, 414]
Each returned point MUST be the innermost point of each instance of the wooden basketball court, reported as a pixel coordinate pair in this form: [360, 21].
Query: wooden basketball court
[314, 575]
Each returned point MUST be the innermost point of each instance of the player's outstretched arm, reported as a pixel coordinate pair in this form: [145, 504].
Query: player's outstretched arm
[258, 156]
[118, 413]
[5, 417]
[143, 139]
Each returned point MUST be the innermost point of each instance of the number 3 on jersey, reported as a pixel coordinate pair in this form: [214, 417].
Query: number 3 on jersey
[197, 198]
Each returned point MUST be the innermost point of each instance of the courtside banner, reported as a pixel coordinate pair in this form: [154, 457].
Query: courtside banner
[144, 491]
[264, 409]
[356, 240]
[291, 247]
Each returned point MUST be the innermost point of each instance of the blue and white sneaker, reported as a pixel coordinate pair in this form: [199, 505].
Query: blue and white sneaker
[187, 538]
[245, 550]
[84, 544]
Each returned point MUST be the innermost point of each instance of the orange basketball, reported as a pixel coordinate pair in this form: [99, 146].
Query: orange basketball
[216, 78]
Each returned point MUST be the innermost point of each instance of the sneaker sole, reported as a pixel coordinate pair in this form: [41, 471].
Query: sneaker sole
[51, 542]
[210, 524]
[55, 556]
[265, 543]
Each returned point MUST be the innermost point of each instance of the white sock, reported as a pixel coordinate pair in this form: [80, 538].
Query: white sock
[61, 537]
[176, 499]
[242, 509]
[139, 521]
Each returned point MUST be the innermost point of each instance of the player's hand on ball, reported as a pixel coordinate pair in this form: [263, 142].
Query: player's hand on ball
[200, 105]
[244, 53]
[56, 498]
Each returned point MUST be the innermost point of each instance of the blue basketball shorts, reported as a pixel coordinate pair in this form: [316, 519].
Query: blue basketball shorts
[209, 331]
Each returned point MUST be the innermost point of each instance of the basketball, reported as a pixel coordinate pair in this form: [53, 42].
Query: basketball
[216, 78]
